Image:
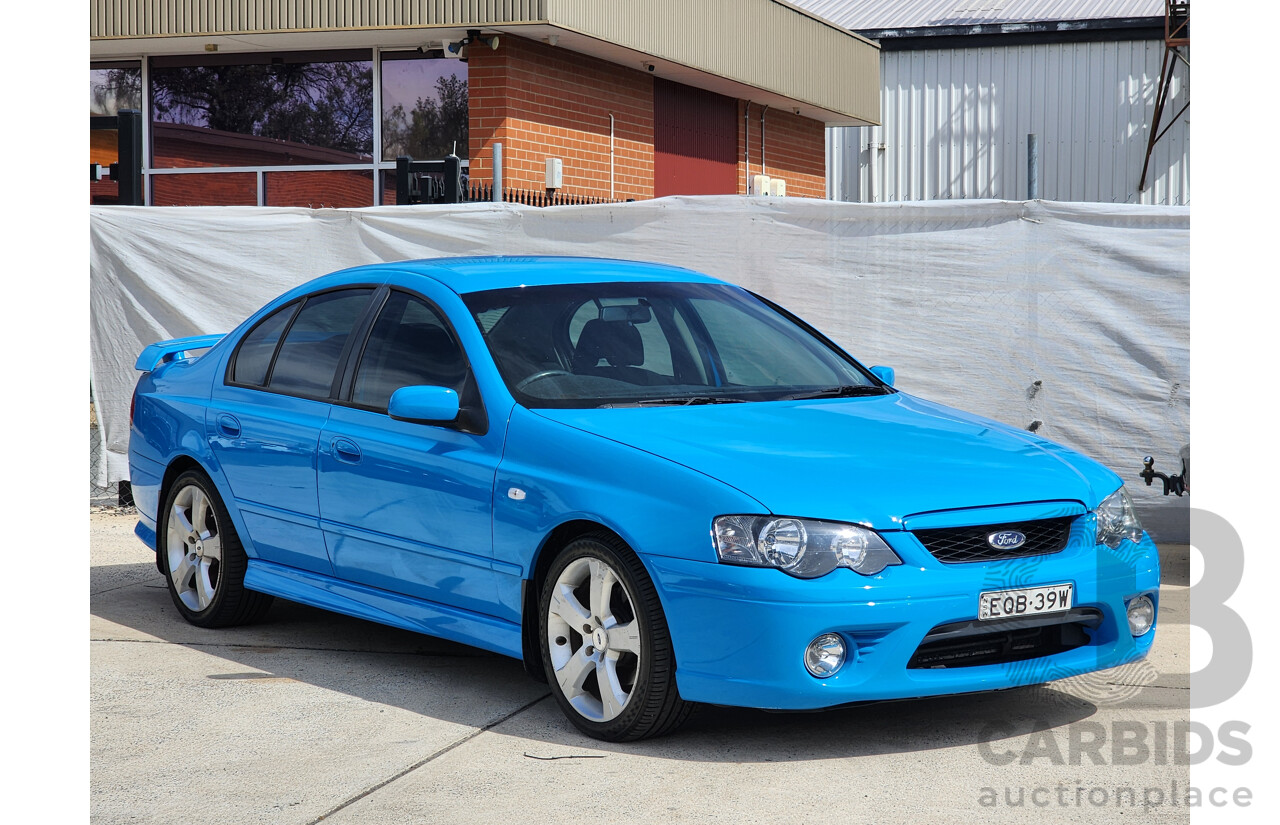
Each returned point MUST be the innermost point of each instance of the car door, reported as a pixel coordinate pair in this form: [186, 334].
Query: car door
[264, 421]
[406, 507]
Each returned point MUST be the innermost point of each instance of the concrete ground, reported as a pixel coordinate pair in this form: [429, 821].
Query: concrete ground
[312, 716]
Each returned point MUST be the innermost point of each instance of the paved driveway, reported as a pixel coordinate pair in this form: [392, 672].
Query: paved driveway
[311, 716]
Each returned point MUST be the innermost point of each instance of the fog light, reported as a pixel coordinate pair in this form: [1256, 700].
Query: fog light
[825, 655]
[1142, 615]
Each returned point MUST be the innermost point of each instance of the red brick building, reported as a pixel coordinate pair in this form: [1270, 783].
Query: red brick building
[633, 100]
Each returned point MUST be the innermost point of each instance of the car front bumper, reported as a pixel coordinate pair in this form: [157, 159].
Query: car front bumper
[740, 633]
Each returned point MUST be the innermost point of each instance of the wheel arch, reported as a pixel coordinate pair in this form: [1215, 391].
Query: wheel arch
[178, 464]
[559, 538]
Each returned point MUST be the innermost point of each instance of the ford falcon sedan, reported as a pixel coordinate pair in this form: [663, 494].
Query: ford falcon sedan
[653, 487]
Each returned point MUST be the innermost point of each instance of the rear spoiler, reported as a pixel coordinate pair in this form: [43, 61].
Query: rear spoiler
[163, 352]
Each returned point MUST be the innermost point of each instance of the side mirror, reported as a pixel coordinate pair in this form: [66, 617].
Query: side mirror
[885, 374]
[424, 405]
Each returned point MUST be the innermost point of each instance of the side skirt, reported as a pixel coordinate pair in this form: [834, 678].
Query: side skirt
[384, 607]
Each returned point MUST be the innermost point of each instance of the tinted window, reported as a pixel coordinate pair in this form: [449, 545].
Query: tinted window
[254, 356]
[612, 344]
[409, 346]
[310, 352]
[262, 109]
[769, 353]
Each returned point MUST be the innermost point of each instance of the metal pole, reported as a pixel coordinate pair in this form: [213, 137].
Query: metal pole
[129, 140]
[1033, 168]
[402, 179]
[377, 126]
[497, 173]
[452, 179]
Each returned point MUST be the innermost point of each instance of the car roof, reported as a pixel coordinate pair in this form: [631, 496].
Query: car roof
[477, 274]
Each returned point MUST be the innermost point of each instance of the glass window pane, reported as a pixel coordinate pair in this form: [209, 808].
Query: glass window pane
[115, 88]
[409, 346]
[424, 108]
[319, 190]
[254, 355]
[586, 345]
[310, 352]
[759, 349]
[262, 113]
[112, 87]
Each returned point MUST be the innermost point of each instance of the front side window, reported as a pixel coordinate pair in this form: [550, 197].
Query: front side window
[619, 344]
[410, 345]
[309, 355]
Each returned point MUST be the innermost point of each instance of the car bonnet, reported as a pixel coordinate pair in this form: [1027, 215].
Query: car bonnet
[871, 460]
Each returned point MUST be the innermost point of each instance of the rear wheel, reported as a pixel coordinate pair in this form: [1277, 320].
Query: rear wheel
[202, 558]
[605, 645]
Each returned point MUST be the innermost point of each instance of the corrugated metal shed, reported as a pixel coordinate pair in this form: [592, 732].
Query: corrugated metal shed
[956, 123]
[896, 14]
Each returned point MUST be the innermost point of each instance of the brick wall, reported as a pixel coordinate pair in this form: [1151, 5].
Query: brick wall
[795, 150]
[540, 101]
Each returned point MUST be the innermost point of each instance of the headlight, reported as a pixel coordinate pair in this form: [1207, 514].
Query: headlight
[1117, 520]
[802, 547]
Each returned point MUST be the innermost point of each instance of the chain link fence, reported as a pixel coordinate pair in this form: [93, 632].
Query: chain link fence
[113, 494]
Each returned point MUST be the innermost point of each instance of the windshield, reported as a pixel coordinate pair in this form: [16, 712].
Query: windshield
[631, 344]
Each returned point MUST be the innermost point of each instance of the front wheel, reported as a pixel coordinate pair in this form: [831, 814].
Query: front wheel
[202, 558]
[605, 645]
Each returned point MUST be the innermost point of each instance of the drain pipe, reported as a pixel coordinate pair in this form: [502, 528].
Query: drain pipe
[763, 171]
[746, 160]
[611, 155]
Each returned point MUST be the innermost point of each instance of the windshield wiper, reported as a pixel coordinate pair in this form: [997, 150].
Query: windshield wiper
[843, 391]
[679, 401]
[691, 400]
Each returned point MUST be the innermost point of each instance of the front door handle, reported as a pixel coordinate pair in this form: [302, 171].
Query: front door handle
[346, 450]
[228, 425]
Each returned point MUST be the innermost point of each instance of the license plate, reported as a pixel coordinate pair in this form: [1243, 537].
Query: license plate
[1006, 604]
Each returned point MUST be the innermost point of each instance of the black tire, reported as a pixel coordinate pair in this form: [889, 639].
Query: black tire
[653, 706]
[186, 555]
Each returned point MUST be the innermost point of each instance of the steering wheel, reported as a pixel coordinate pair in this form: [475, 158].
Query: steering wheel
[538, 376]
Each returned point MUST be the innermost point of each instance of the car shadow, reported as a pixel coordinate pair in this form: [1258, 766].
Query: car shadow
[134, 598]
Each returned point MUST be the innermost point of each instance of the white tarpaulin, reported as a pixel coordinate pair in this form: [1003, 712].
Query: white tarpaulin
[1072, 319]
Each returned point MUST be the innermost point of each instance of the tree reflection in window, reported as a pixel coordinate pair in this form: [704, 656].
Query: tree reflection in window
[327, 105]
[424, 107]
[112, 88]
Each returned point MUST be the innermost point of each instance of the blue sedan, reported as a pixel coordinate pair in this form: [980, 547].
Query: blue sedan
[652, 487]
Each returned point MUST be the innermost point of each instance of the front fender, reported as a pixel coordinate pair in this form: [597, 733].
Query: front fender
[552, 473]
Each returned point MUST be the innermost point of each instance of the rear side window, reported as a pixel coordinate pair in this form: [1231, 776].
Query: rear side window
[309, 355]
[410, 345]
[253, 359]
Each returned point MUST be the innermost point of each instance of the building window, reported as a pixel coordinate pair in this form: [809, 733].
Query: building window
[283, 129]
[112, 87]
[424, 106]
[262, 110]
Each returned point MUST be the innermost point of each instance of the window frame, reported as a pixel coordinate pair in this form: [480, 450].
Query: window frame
[472, 418]
[359, 327]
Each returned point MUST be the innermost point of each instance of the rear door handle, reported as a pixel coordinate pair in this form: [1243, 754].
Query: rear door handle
[346, 450]
[228, 425]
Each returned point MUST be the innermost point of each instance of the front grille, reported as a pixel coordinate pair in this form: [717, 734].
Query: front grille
[954, 545]
[969, 644]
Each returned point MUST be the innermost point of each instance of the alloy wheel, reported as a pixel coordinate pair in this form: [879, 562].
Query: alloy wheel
[194, 548]
[593, 637]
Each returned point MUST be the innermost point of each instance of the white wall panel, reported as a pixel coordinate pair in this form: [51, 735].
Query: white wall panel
[955, 125]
